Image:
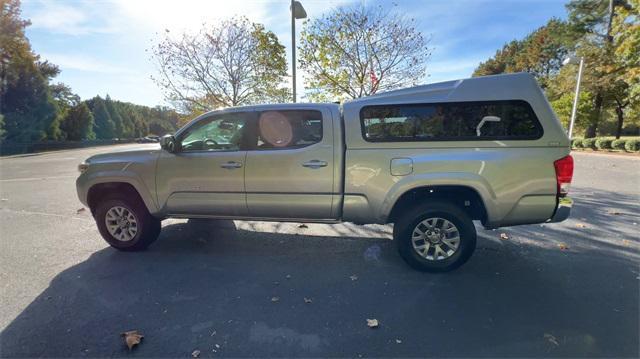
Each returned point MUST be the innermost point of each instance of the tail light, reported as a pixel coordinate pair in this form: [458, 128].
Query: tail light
[564, 174]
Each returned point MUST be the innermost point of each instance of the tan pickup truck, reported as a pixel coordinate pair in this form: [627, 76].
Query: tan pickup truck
[429, 159]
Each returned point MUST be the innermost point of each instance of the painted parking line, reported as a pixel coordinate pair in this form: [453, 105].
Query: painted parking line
[45, 214]
[35, 178]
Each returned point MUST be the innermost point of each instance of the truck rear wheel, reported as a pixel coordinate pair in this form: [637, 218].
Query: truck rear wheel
[435, 237]
[126, 224]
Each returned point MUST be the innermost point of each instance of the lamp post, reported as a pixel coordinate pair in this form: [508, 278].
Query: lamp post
[297, 12]
[580, 61]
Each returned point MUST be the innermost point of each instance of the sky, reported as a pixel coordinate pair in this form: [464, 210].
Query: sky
[103, 46]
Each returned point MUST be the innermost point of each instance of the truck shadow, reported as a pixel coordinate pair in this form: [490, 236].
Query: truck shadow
[232, 289]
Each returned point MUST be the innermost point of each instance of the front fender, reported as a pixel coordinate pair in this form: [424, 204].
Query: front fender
[470, 180]
[90, 179]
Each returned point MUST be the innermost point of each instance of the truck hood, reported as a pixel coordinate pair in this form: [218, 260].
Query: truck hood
[123, 156]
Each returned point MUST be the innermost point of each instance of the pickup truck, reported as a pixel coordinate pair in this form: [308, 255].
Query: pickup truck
[429, 159]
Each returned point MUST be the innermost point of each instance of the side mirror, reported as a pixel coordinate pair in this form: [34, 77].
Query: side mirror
[168, 143]
[484, 120]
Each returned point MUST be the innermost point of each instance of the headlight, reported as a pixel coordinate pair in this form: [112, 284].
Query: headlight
[83, 167]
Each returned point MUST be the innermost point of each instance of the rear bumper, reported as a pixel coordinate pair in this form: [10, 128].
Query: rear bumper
[563, 210]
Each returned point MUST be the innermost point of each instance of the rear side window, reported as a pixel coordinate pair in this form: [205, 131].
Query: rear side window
[450, 121]
[289, 129]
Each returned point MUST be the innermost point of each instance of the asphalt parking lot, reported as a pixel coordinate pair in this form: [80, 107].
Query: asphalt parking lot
[238, 289]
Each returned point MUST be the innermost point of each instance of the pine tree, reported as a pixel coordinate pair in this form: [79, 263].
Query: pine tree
[78, 124]
[103, 125]
[115, 117]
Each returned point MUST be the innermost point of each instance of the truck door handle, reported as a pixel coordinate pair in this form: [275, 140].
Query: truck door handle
[231, 165]
[315, 164]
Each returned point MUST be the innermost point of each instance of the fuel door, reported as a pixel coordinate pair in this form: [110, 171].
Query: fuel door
[401, 166]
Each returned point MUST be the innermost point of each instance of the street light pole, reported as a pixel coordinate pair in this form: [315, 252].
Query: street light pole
[576, 97]
[293, 48]
[297, 12]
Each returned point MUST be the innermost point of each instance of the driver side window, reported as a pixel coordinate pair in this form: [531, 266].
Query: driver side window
[215, 133]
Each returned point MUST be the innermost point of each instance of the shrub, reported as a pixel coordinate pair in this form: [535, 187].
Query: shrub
[576, 143]
[589, 143]
[632, 145]
[603, 143]
[618, 144]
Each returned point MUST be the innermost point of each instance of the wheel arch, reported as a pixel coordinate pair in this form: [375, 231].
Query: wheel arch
[99, 191]
[465, 197]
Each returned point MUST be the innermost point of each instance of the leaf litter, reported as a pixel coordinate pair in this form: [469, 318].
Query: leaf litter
[372, 323]
[132, 338]
[551, 339]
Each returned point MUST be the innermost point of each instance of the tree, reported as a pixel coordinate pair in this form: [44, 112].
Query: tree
[115, 116]
[236, 62]
[504, 61]
[606, 33]
[563, 106]
[103, 124]
[626, 71]
[596, 19]
[29, 111]
[78, 123]
[358, 51]
[539, 53]
[64, 99]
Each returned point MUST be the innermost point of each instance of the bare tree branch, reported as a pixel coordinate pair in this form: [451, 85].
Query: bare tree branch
[233, 63]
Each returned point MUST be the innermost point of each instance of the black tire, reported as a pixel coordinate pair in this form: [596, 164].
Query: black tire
[148, 227]
[404, 227]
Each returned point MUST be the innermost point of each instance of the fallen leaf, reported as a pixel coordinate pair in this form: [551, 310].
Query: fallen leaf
[551, 339]
[563, 246]
[132, 338]
[195, 353]
[372, 323]
[275, 299]
[504, 236]
[581, 225]
[303, 226]
[398, 341]
[354, 277]
[307, 300]
[80, 210]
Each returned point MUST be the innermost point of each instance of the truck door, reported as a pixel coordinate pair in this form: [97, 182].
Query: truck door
[206, 174]
[290, 171]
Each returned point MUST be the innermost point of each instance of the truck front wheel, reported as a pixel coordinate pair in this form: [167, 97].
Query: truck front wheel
[125, 223]
[435, 237]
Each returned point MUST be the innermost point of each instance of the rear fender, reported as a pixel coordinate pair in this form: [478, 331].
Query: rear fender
[470, 180]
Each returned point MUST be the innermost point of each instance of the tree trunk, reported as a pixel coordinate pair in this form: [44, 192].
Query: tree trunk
[595, 117]
[620, 114]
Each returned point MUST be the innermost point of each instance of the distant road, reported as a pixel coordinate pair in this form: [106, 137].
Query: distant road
[238, 289]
